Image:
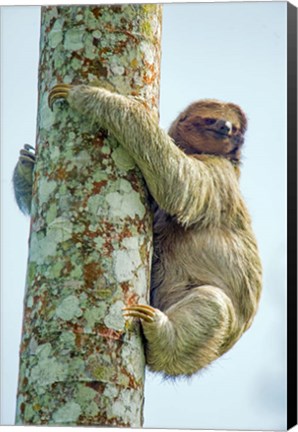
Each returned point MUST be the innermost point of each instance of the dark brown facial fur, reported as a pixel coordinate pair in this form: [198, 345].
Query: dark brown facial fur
[210, 127]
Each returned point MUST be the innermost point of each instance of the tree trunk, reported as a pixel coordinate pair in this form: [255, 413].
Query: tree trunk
[91, 229]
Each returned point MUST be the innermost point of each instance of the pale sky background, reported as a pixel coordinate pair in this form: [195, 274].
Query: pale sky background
[234, 52]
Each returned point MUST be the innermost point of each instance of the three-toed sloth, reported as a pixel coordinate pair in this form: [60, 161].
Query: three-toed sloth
[206, 271]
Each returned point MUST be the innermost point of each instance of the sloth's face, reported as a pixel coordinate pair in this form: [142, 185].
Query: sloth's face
[215, 135]
[212, 127]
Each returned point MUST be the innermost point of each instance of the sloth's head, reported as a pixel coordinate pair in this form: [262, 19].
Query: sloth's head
[210, 127]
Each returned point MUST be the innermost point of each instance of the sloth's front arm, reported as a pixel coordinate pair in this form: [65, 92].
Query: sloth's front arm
[182, 186]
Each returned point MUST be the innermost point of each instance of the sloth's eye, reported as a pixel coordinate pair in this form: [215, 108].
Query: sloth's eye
[209, 121]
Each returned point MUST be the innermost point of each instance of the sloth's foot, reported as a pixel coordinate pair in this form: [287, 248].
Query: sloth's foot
[144, 312]
[27, 155]
[59, 91]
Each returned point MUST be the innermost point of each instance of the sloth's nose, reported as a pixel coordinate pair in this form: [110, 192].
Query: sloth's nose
[224, 126]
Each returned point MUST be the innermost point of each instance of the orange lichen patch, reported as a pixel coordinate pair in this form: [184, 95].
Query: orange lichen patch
[78, 340]
[149, 79]
[104, 51]
[109, 333]
[151, 67]
[108, 228]
[134, 92]
[125, 287]
[132, 299]
[24, 345]
[154, 102]
[59, 78]
[87, 235]
[128, 34]
[119, 49]
[78, 329]
[68, 267]
[92, 272]
[132, 383]
[97, 186]
[79, 337]
[108, 248]
[97, 12]
[59, 174]
[125, 233]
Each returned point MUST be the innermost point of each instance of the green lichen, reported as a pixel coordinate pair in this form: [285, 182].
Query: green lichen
[56, 34]
[31, 272]
[90, 19]
[29, 413]
[76, 368]
[134, 360]
[140, 281]
[59, 57]
[76, 64]
[67, 340]
[97, 34]
[123, 380]
[52, 213]
[126, 407]
[55, 270]
[68, 413]
[73, 40]
[149, 9]
[77, 272]
[85, 395]
[114, 319]
[46, 188]
[90, 49]
[30, 302]
[125, 202]
[47, 370]
[69, 308]
[46, 116]
[41, 248]
[99, 242]
[95, 204]
[99, 368]
[126, 261]
[33, 346]
[105, 294]
[147, 28]
[95, 315]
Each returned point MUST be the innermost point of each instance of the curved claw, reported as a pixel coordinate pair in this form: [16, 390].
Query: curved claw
[59, 91]
[27, 154]
[26, 159]
[29, 147]
[144, 312]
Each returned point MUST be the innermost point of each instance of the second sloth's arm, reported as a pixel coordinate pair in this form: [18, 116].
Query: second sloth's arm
[23, 178]
[182, 186]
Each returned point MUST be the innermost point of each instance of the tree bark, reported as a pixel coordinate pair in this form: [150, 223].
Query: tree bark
[91, 229]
